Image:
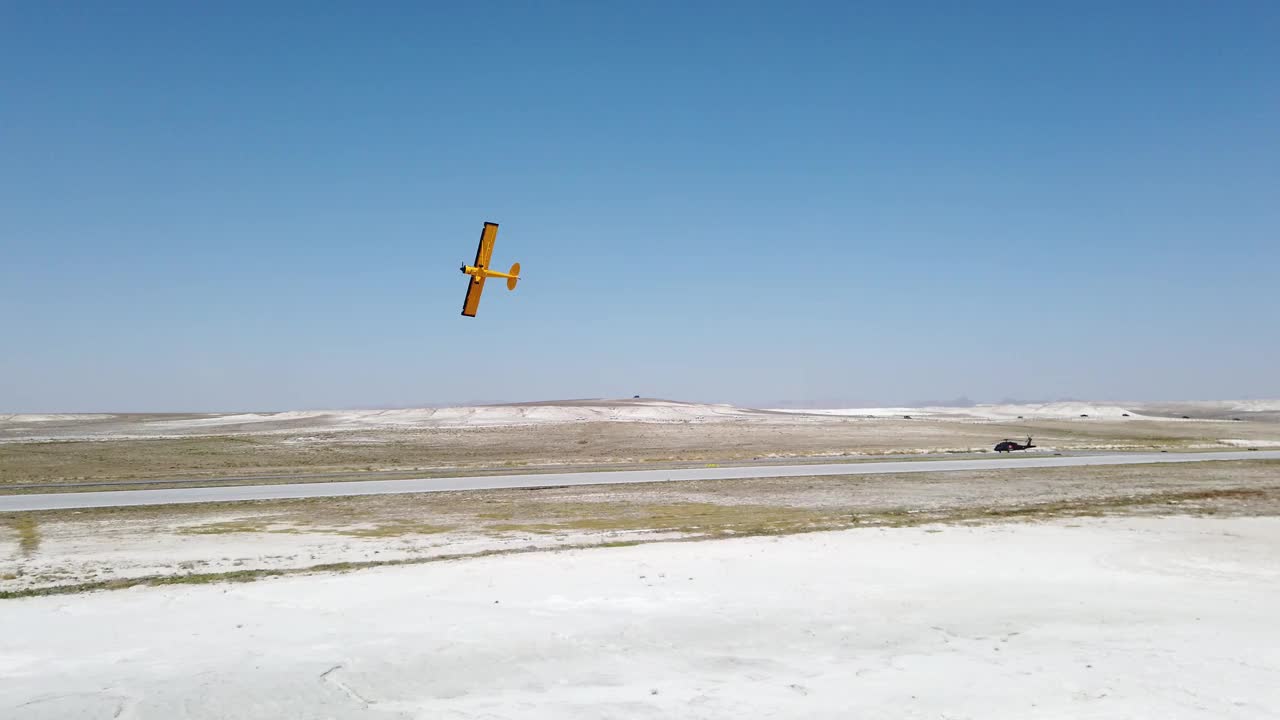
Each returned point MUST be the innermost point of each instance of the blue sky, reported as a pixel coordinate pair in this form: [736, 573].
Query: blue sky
[264, 205]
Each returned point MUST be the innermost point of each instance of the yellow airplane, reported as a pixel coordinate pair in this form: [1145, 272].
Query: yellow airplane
[480, 270]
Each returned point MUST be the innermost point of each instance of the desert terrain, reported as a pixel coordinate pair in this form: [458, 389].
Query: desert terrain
[99, 547]
[1089, 617]
[77, 450]
[1108, 591]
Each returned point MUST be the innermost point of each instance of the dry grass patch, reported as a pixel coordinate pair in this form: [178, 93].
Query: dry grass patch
[690, 518]
[27, 529]
[296, 525]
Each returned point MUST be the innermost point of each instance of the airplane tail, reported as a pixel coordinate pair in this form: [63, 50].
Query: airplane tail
[1029, 442]
[515, 273]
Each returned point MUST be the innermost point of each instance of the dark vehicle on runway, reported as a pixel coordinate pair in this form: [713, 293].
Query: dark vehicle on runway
[1009, 445]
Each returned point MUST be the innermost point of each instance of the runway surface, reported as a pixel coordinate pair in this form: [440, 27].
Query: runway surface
[179, 496]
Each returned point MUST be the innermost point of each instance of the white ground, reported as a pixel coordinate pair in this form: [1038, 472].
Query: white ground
[1044, 411]
[636, 411]
[1121, 618]
[125, 551]
[1251, 443]
[81, 427]
[28, 428]
[480, 416]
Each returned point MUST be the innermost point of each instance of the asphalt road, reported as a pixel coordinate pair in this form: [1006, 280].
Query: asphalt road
[178, 496]
[365, 475]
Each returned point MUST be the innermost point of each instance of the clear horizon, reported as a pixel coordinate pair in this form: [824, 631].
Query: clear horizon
[960, 402]
[240, 207]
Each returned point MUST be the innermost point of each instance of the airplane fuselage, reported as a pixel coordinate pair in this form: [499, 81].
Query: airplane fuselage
[481, 271]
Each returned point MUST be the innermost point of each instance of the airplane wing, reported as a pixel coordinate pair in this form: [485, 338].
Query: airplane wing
[474, 288]
[485, 251]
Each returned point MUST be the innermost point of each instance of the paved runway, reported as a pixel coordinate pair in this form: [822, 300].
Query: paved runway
[178, 496]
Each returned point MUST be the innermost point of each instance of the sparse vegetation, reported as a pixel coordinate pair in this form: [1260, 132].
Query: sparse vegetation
[237, 576]
[406, 452]
[431, 526]
[700, 521]
[229, 526]
[296, 525]
[394, 528]
[28, 531]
